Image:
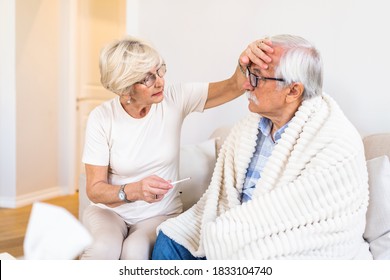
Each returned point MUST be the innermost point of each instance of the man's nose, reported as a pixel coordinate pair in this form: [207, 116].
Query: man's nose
[247, 85]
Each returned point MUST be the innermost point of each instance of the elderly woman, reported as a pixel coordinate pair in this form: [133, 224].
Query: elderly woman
[131, 151]
[291, 179]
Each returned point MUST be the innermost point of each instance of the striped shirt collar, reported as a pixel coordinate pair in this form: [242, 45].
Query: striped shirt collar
[265, 126]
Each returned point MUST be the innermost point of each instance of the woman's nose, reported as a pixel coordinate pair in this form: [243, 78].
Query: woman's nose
[159, 81]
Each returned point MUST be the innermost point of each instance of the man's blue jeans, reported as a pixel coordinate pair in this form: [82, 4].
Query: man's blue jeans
[167, 249]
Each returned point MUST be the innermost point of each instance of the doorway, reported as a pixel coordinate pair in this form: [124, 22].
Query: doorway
[98, 23]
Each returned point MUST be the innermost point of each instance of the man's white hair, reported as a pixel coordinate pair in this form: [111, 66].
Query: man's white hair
[301, 62]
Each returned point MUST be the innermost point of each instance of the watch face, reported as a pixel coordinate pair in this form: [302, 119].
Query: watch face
[121, 195]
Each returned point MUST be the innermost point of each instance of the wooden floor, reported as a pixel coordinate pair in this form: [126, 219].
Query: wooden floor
[13, 223]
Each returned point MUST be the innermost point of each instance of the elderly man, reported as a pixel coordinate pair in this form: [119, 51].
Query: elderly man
[290, 181]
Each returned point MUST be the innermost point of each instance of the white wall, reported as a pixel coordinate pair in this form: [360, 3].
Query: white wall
[30, 101]
[202, 39]
[39, 79]
[7, 101]
[37, 94]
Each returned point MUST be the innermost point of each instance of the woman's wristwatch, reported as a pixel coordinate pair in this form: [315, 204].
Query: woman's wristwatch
[122, 195]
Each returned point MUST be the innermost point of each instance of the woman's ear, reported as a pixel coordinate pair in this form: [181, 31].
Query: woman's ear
[296, 92]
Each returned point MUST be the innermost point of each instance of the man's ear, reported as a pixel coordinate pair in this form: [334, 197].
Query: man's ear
[295, 93]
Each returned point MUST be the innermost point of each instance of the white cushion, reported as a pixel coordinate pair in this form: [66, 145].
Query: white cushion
[377, 231]
[220, 134]
[196, 161]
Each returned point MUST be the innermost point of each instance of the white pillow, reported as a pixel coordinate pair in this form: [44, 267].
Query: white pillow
[377, 231]
[196, 161]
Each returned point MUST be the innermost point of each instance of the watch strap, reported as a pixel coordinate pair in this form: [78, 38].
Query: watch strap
[122, 189]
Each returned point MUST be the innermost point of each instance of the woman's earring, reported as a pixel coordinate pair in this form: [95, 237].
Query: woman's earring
[128, 100]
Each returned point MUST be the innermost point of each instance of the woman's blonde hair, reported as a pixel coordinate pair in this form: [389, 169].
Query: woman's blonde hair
[126, 62]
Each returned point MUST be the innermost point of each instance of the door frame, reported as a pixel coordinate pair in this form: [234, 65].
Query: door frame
[69, 92]
[67, 97]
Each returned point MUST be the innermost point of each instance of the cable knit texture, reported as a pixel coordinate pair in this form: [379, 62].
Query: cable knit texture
[310, 202]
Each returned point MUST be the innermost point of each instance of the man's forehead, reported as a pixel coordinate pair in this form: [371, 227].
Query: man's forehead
[277, 54]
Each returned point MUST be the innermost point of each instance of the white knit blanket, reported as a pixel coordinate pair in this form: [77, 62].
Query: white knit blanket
[310, 202]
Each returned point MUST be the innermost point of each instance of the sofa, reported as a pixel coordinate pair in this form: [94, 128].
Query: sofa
[197, 161]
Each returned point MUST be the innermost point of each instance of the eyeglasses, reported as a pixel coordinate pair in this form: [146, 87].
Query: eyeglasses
[150, 79]
[254, 79]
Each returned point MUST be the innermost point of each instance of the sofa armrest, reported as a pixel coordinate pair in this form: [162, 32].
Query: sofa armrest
[83, 198]
[376, 145]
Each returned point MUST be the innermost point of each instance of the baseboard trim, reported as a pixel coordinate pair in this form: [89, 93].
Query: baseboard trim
[27, 199]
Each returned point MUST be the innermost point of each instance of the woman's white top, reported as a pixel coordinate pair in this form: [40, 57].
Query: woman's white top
[136, 148]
